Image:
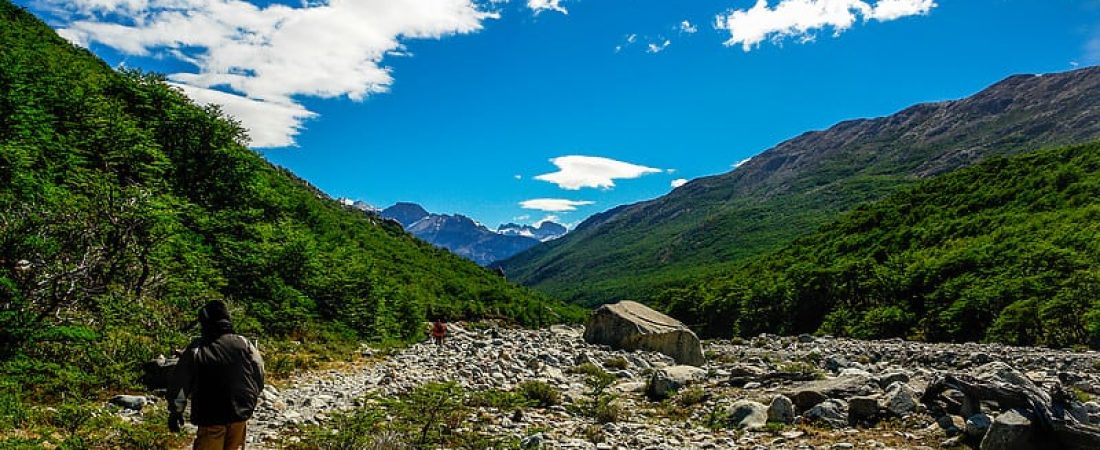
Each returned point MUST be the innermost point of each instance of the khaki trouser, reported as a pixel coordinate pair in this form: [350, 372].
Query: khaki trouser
[220, 437]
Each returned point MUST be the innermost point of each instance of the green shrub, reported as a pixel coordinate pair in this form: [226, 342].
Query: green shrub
[608, 409]
[541, 393]
[616, 362]
[691, 396]
[12, 410]
[496, 398]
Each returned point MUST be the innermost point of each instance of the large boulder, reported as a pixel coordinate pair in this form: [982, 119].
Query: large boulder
[631, 325]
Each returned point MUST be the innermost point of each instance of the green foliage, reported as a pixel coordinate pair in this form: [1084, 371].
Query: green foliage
[540, 393]
[616, 362]
[124, 207]
[427, 417]
[1003, 251]
[691, 396]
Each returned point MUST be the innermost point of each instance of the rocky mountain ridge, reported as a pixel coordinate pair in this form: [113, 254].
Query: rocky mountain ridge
[466, 237]
[544, 231]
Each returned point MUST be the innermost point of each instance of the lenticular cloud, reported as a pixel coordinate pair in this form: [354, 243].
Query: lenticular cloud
[801, 19]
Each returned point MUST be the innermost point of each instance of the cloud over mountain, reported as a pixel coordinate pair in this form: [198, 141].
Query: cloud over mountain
[576, 171]
[553, 204]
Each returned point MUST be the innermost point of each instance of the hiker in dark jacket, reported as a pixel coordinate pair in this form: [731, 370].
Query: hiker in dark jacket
[223, 374]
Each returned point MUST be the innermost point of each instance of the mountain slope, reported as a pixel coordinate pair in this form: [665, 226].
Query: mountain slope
[468, 239]
[1004, 251]
[405, 213]
[703, 227]
[124, 207]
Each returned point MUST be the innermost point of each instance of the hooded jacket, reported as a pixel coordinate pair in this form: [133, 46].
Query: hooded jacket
[222, 373]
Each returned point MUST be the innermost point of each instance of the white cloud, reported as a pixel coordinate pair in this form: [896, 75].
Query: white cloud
[800, 19]
[522, 217]
[577, 172]
[546, 5]
[688, 27]
[517, 176]
[269, 124]
[657, 48]
[553, 204]
[270, 54]
[741, 162]
[679, 182]
[549, 218]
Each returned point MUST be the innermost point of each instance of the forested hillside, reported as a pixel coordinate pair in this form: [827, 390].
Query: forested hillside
[1006, 251]
[704, 227]
[124, 207]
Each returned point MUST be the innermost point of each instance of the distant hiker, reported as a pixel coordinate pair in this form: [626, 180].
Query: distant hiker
[223, 374]
[439, 331]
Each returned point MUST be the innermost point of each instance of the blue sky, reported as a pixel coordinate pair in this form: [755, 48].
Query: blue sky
[462, 105]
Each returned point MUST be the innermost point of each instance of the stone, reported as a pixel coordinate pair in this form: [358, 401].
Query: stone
[809, 394]
[831, 412]
[630, 325]
[533, 441]
[886, 379]
[748, 415]
[1004, 373]
[1011, 430]
[133, 402]
[863, 409]
[806, 338]
[977, 425]
[781, 410]
[668, 380]
[900, 400]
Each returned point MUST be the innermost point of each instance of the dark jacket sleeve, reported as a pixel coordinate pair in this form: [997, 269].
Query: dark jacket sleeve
[182, 382]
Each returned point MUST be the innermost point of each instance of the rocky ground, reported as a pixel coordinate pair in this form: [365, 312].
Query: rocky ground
[817, 392]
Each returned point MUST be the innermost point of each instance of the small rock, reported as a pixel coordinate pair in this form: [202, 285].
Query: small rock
[900, 400]
[781, 410]
[863, 409]
[533, 441]
[748, 415]
[669, 379]
[831, 412]
[1011, 430]
[132, 402]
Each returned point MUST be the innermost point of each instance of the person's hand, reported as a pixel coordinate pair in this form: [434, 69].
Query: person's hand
[175, 422]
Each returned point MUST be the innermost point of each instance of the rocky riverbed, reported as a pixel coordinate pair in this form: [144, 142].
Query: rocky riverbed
[816, 392]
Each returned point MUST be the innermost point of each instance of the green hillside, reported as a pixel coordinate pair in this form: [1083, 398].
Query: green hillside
[706, 226]
[124, 207]
[1006, 251]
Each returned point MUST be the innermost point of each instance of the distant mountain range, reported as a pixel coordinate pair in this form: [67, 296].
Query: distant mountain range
[545, 231]
[707, 226]
[467, 238]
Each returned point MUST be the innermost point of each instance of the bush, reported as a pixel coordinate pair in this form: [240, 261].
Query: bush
[616, 362]
[541, 393]
[691, 396]
[608, 410]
